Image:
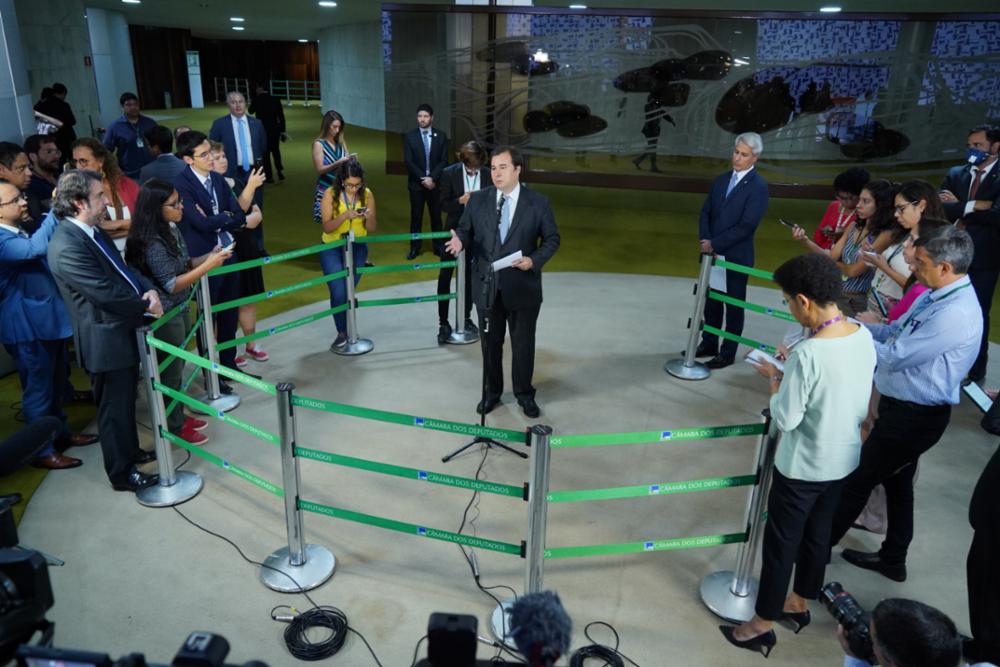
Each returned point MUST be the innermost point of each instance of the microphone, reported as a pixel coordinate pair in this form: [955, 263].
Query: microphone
[540, 628]
[503, 198]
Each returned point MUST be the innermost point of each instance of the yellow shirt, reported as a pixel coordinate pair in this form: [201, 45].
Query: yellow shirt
[355, 224]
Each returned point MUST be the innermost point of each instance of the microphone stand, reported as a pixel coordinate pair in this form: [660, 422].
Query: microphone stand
[491, 290]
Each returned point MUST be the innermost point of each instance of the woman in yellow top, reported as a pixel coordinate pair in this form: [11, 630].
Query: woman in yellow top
[347, 206]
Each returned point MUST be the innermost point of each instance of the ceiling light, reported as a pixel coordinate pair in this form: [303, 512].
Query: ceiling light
[578, 6]
[132, 2]
[303, 41]
[238, 28]
[831, 9]
[540, 56]
[236, 19]
[327, 3]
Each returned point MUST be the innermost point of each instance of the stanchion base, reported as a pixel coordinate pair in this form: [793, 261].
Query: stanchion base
[500, 624]
[676, 367]
[717, 594]
[186, 486]
[360, 346]
[223, 403]
[318, 567]
[462, 338]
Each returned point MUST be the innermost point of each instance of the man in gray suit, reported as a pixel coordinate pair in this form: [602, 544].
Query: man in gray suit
[499, 221]
[106, 302]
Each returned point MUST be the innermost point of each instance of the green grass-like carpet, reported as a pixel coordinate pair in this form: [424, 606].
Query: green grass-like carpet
[603, 230]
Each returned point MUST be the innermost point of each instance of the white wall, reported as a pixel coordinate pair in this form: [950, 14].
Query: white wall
[350, 73]
[16, 119]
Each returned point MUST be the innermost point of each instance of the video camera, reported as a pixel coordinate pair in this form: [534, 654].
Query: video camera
[852, 617]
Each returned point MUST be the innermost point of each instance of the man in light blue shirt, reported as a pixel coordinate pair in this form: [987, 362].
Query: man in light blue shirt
[126, 136]
[922, 358]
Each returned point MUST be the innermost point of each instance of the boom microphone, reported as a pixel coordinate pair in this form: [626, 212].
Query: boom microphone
[540, 628]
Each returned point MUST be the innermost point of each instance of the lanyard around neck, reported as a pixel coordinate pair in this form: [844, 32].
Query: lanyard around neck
[470, 182]
[925, 303]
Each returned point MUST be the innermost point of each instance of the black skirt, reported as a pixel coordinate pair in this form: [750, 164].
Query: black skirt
[251, 280]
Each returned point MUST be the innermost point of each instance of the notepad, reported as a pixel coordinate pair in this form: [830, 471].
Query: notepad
[506, 262]
[755, 357]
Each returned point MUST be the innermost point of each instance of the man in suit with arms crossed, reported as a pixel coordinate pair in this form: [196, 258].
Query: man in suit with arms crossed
[729, 217]
[971, 195]
[497, 222]
[106, 303]
[425, 154]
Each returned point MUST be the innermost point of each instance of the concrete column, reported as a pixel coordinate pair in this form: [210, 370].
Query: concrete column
[114, 71]
[16, 117]
[57, 48]
[350, 73]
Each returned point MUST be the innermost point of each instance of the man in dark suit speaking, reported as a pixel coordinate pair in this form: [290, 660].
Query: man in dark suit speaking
[970, 194]
[499, 221]
[106, 302]
[729, 217]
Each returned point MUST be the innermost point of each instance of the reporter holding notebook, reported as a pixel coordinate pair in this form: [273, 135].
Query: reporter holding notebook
[818, 403]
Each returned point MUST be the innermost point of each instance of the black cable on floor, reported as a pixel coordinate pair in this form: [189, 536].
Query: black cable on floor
[611, 656]
[321, 616]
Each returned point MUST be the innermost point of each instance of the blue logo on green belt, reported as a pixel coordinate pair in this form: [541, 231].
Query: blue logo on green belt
[664, 435]
[654, 488]
[418, 421]
[421, 475]
[648, 546]
[421, 530]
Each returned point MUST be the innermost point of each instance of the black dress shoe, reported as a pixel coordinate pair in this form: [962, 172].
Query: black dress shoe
[486, 405]
[873, 561]
[8, 499]
[145, 456]
[281, 175]
[718, 361]
[225, 388]
[413, 253]
[135, 481]
[796, 620]
[705, 350]
[530, 408]
[444, 332]
[471, 328]
[762, 643]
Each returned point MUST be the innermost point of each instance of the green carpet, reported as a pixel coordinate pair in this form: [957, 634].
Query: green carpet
[603, 230]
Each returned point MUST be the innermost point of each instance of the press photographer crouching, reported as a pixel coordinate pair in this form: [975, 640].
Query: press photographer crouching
[897, 633]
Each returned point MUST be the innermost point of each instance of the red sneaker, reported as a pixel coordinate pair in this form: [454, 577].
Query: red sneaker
[194, 424]
[257, 354]
[193, 436]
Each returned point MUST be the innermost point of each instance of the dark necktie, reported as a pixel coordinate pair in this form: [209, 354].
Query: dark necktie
[112, 254]
[975, 184]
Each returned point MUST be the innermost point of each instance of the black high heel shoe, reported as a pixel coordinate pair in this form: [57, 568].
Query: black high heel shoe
[762, 643]
[796, 620]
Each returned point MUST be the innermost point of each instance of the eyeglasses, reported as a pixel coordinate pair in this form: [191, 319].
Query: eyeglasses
[902, 207]
[204, 156]
[177, 205]
[15, 200]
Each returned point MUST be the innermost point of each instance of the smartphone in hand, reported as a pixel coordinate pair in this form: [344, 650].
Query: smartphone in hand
[790, 225]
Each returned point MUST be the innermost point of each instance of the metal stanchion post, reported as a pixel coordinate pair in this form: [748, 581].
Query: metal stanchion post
[732, 595]
[687, 368]
[213, 396]
[175, 486]
[459, 336]
[299, 566]
[354, 345]
[538, 491]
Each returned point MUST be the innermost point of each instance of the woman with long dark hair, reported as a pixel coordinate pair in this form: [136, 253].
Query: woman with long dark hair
[348, 206]
[873, 230]
[914, 201]
[156, 249]
[329, 153]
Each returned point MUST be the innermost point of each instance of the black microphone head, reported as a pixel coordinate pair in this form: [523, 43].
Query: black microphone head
[540, 627]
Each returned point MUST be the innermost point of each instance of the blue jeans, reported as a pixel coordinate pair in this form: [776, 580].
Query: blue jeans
[332, 261]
